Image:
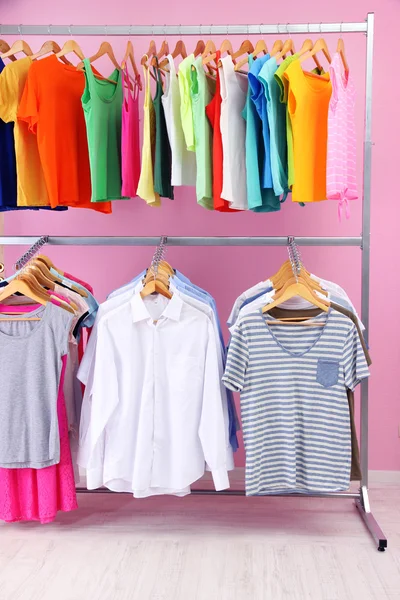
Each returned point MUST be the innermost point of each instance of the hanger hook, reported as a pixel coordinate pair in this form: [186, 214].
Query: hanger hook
[130, 31]
[320, 28]
[180, 31]
[248, 30]
[308, 28]
[49, 29]
[287, 31]
[341, 29]
[19, 31]
[70, 30]
[106, 30]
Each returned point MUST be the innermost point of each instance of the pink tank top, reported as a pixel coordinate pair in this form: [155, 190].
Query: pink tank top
[130, 141]
[341, 182]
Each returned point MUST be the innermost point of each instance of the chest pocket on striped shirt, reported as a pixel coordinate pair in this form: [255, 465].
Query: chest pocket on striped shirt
[327, 372]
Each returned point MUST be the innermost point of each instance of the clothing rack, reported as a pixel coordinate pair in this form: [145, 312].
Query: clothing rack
[366, 27]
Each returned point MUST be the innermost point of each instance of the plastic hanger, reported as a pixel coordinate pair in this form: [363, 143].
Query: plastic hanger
[340, 50]
[4, 47]
[129, 53]
[48, 48]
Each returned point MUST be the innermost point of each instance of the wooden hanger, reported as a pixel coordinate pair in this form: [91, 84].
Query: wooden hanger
[104, 50]
[200, 47]
[151, 52]
[277, 47]
[286, 272]
[4, 47]
[306, 47]
[260, 46]
[246, 47]
[50, 47]
[226, 46]
[320, 45]
[340, 50]
[288, 46]
[71, 46]
[46, 260]
[129, 53]
[297, 287]
[155, 286]
[18, 46]
[179, 50]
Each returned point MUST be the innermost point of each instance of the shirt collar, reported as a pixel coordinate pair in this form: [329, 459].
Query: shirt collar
[171, 311]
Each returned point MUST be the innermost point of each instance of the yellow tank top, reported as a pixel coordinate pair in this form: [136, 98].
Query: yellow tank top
[308, 104]
[146, 181]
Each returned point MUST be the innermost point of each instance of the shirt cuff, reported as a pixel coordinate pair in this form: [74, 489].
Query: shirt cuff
[220, 478]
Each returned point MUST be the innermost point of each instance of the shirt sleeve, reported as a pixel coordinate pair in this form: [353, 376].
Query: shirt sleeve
[354, 362]
[8, 96]
[237, 361]
[100, 402]
[28, 109]
[212, 426]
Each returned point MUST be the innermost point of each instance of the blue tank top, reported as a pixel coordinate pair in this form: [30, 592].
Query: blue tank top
[276, 112]
[259, 199]
[260, 102]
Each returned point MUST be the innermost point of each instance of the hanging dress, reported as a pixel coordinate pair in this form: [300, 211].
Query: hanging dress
[183, 161]
[162, 159]
[146, 180]
[130, 138]
[341, 181]
[213, 111]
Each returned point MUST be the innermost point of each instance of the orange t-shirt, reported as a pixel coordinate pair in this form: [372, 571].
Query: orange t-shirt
[308, 104]
[51, 105]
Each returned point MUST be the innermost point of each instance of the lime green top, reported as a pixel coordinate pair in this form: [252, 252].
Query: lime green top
[184, 79]
[201, 92]
[102, 105]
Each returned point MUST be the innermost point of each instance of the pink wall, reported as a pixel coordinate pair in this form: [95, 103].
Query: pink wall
[226, 272]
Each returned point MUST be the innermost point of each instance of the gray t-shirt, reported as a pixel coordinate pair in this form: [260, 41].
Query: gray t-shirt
[295, 412]
[30, 370]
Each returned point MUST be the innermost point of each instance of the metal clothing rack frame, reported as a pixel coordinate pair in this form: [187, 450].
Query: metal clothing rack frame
[367, 28]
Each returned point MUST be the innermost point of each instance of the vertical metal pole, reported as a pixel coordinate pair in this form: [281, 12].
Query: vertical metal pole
[366, 235]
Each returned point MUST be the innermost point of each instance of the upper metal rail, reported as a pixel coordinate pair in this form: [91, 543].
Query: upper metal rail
[155, 30]
[181, 241]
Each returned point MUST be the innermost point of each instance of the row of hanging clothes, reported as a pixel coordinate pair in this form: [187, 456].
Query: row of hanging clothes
[244, 128]
[148, 407]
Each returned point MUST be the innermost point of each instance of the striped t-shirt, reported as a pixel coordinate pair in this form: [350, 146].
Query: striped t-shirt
[294, 407]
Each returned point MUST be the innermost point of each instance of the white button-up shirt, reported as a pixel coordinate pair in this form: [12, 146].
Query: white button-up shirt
[155, 414]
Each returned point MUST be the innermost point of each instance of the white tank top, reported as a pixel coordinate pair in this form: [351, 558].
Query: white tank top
[233, 131]
[183, 161]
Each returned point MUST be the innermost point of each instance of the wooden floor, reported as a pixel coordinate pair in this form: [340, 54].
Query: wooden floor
[204, 548]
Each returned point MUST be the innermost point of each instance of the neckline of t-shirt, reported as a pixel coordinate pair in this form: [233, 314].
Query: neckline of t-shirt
[286, 350]
[42, 309]
[70, 68]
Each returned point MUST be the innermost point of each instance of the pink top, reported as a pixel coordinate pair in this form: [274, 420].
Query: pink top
[341, 183]
[130, 141]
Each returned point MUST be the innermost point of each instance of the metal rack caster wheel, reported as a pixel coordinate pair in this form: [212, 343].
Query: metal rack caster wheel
[381, 548]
